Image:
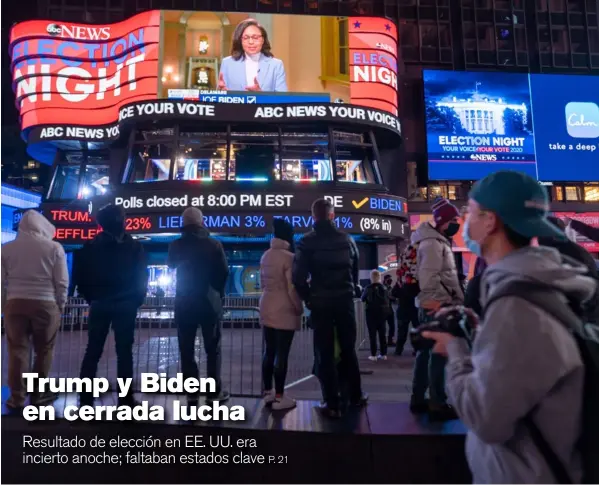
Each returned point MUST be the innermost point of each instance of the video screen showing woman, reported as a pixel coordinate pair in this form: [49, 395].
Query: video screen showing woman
[251, 65]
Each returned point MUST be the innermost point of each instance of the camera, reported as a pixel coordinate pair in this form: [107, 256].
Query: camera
[456, 322]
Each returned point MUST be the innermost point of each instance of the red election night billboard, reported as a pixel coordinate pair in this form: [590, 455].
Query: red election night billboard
[373, 63]
[59, 69]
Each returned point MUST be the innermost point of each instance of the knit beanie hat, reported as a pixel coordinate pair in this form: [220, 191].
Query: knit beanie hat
[192, 216]
[444, 211]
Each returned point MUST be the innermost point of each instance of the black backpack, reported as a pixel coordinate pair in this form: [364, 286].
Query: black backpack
[378, 299]
[587, 339]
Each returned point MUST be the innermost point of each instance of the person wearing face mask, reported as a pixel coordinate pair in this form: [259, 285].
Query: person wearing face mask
[524, 376]
[439, 285]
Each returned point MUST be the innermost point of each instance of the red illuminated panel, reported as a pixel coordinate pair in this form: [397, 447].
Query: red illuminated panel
[81, 234]
[59, 69]
[373, 63]
[590, 218]
[70, 216]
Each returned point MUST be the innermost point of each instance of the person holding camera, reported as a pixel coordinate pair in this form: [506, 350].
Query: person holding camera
[519, 390]
[439, 285]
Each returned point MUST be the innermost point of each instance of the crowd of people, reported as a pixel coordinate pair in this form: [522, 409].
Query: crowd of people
[520, 387]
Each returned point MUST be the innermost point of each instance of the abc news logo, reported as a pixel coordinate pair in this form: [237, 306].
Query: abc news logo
[78, 32]
[54, 29]
[483, 158]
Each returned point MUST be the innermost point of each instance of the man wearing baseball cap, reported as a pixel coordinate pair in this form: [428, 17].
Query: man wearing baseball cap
[439, 285]
[524, 362]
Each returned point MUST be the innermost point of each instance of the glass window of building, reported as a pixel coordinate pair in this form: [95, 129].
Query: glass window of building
[150, 163]
[96, 177]
[202, 156]
[591, 193]
[66, 177]
[154, 133]
[305, 157]
[254, 155]
[355, 163]
[573, 193]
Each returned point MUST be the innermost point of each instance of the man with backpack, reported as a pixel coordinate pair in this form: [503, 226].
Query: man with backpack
[528, 390]
[110, 272]
[378, 307]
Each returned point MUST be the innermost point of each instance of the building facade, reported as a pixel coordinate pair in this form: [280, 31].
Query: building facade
[508, 36]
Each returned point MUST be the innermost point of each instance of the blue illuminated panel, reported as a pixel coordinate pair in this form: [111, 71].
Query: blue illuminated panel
[14, 198]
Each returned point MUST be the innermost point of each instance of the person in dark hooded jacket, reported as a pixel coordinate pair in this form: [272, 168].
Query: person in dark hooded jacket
[110, 272]
[202, 273]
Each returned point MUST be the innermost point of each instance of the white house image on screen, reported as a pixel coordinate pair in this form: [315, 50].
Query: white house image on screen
[482, 115]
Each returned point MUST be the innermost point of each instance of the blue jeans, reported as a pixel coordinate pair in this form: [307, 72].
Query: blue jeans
[429, 372]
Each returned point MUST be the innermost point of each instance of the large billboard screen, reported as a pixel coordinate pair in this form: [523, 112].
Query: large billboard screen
[566, 118]
[480, 122]
[59, 69]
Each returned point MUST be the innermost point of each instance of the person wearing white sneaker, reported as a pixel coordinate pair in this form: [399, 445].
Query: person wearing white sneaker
[280, 314]
[378, 306]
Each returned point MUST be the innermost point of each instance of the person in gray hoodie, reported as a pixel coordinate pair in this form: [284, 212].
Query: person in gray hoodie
[439, 285]
[35, 280]
[524, 363]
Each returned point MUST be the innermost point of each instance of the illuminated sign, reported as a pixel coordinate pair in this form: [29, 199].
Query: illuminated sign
[204, 197]
[235, 223]
[163, 109]
[60, 69]
[590, 218]
[373, 63]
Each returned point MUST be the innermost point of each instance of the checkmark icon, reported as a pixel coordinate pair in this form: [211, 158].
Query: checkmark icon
[357, 205]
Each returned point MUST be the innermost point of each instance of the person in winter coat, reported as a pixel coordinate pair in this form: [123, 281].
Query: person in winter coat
[525, 366]
[35, 281]
[111, 274]
[439, 285]
[378, 307]
[202, 272]
[325, 274]
[280, 314]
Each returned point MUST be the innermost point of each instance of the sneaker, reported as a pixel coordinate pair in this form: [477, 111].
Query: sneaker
[442, 412]
[283, 402]
[44, 398]
[382, 357]
[268, 397]
[418, 406]
[222, 396]
[372, 358]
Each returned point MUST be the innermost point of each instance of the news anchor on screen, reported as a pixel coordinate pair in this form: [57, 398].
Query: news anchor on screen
[251, 66]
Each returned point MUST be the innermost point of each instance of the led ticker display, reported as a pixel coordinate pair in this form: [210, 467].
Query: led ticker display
[235, 223]
[250, 201]
[373, 63]
[59, 69]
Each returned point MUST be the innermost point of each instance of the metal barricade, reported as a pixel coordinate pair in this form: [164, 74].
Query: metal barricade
[156, 347]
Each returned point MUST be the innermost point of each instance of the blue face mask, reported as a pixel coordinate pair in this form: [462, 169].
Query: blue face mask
[473, 246]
